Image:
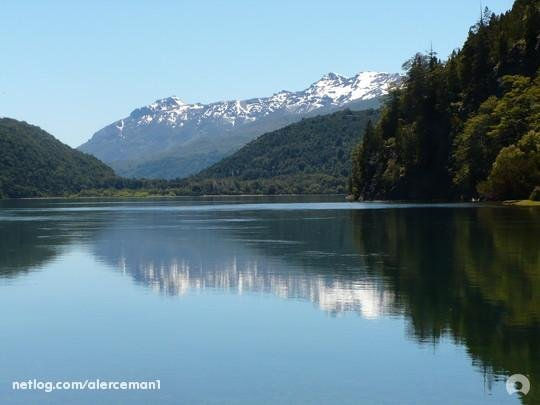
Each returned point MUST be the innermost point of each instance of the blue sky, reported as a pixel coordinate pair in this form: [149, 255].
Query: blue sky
[73, 67]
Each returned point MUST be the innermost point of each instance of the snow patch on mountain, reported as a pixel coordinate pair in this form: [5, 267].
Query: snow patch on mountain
[332, 90]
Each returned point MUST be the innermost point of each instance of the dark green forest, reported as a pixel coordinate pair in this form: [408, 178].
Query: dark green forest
[33, 163]
[311, 156]
[308, 157]
[465, 128]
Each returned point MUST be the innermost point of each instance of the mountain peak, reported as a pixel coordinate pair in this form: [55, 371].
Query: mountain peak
[171, 101]
[331, 76]
[176, 99]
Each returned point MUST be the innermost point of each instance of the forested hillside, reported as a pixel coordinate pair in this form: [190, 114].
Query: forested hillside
[464, 128]
[33, 163]
[311, 156]
[307, 157]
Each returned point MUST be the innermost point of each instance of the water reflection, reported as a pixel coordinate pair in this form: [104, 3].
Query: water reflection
[289, 255]
[26, 245]
[469, 273]
[29, 238]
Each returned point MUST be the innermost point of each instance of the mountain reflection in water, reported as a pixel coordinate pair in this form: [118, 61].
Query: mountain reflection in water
[274, 254]
[470, 273]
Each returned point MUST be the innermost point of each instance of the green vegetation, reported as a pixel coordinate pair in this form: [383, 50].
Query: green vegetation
[465, 128]
[315, 145]
[299, 184]
[33, 163]
[516, 169]
[309, 157]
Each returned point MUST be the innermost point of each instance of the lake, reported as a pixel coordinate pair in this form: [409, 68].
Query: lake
[269, 300]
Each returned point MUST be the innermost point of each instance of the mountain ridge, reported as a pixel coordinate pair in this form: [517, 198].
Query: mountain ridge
[171, 138]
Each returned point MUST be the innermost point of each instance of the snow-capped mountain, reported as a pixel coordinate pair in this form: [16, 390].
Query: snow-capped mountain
[170, 138]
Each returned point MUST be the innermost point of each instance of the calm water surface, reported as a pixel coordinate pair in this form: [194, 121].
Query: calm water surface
[284, 300]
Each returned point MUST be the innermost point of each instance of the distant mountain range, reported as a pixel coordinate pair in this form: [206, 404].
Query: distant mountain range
[172, 139]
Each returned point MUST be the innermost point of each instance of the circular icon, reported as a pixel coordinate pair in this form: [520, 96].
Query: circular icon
[518, 383]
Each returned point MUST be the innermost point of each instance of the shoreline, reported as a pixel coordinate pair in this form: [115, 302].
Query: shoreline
[348, 198]
[142, 197]
[522, 203]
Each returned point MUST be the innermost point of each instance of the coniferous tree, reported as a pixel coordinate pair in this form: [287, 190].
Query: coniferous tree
[442, 131]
